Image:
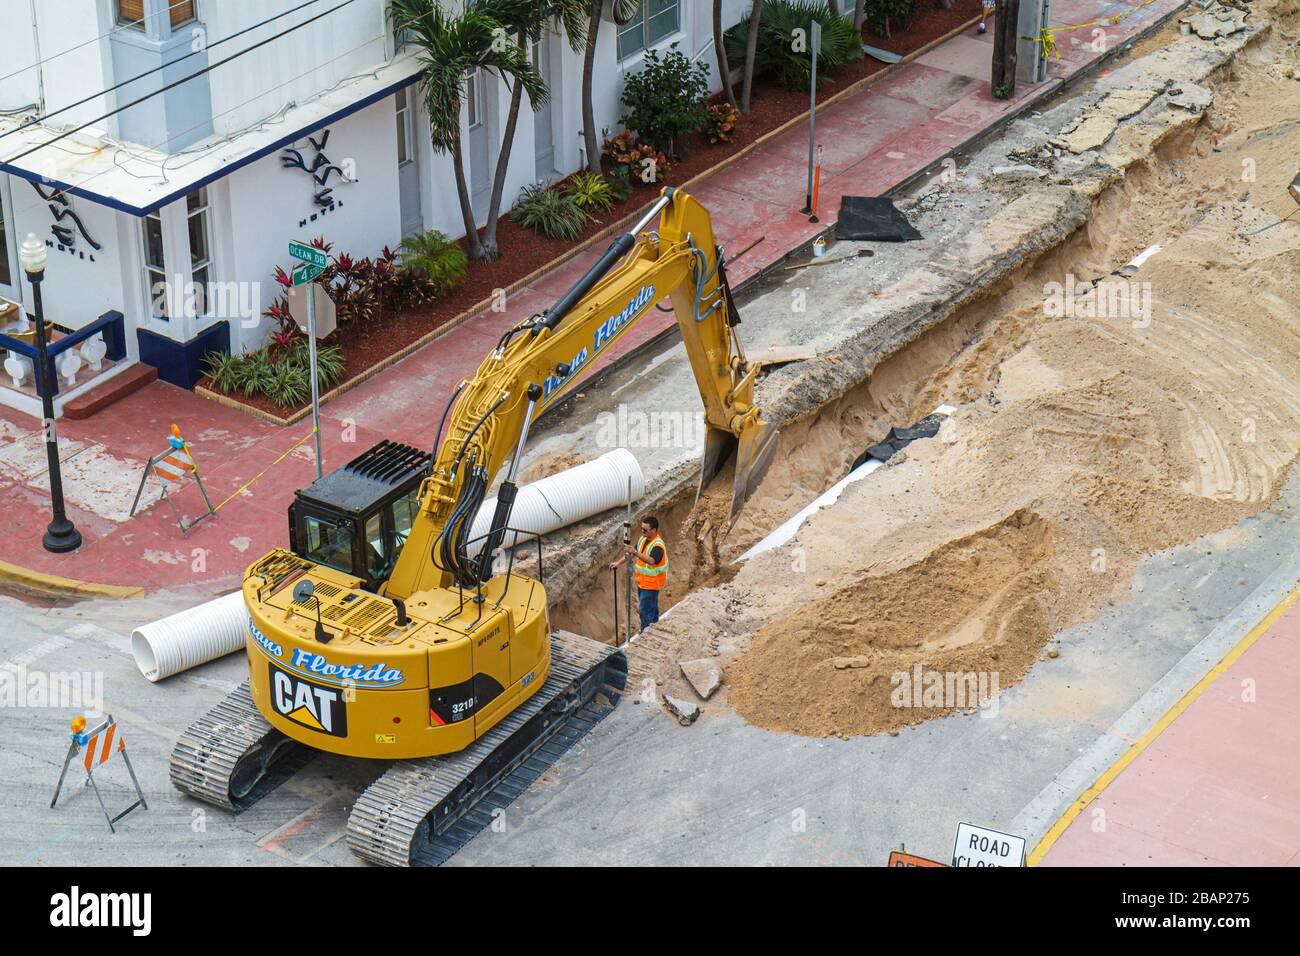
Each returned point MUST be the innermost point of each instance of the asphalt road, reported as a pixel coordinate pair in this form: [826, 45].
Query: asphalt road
[639, 789]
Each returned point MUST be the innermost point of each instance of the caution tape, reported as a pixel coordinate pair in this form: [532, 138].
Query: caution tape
[238, 491]
[1047, 35]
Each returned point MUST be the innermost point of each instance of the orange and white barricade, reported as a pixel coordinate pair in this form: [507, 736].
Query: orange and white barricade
[172, 467]
[99, 745]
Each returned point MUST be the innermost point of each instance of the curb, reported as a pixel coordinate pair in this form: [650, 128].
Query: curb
[55, 586]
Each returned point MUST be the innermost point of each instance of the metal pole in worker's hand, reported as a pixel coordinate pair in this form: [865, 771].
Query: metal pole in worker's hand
[816, 42]
[315, 381]
[627, 544]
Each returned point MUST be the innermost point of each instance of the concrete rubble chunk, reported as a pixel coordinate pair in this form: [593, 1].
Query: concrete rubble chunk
[1019, 171]
[704, 675]
[683, 710]
[1098, 122]
[1217, 22]
[1189, 96]
[851, 663]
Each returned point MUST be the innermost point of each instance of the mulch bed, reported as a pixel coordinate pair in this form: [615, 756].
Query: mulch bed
[524, 251]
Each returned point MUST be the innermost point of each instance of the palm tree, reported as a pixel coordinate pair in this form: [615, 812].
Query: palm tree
[451, 47]
[751, 50]
[859, 14]
[724, 67]
[527, 19]
[624, 10]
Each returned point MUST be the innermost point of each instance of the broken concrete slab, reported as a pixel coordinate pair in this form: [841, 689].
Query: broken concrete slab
[1098, 122]
[1018, 172]
[1216, 22]
[703, 674]
[1189, 96]
[685, 711]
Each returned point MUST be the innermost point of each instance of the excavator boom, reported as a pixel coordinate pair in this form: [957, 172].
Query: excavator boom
[536, 362]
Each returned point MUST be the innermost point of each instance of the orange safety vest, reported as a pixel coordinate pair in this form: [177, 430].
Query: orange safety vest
[651, 577]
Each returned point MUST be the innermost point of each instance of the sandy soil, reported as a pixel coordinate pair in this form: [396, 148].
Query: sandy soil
[1094, 425]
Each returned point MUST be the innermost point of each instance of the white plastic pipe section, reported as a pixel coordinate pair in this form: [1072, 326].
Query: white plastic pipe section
[788, 529]
[189, 638]
[559, 500]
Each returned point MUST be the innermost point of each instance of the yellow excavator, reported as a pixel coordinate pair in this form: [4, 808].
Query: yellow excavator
[384, 633]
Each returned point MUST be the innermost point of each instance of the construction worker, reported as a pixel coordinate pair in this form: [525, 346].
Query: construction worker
[649, 567]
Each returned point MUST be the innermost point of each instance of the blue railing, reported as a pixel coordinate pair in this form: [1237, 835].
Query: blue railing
[112, 324]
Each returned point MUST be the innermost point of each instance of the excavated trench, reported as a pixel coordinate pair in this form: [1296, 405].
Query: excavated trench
[1085, 438]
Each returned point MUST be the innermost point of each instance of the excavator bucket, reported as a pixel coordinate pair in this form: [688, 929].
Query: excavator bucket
[751, 453]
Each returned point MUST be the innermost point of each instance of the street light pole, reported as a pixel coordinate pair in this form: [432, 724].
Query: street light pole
[60, 535]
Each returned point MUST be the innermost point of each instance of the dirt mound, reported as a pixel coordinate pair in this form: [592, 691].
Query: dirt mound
[1100, 419]
[844, 663]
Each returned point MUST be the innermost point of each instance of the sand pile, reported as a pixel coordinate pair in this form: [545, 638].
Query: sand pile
[1099, 420]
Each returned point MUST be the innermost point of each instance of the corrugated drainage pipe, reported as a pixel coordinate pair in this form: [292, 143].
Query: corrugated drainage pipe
[559, 500]
[189, 638]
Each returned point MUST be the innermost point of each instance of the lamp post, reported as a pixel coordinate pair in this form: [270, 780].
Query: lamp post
[60, 535]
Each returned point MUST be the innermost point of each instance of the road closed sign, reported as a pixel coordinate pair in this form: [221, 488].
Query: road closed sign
[980, 846]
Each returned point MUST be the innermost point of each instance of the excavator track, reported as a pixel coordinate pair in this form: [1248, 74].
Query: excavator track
[232, 757]
[420, 812]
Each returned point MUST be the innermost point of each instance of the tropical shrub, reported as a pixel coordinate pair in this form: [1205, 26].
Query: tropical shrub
[439, 260]
[633, 161]
[284, 377]
[778, 55]
[665, 100]
[592, 192]
[880, 14]
[552, 213]
[720, 122]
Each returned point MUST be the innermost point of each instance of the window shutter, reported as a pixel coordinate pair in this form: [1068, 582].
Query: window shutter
[182, 12]
[130, 11]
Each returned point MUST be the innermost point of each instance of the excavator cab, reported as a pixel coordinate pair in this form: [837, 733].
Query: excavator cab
[356, 518]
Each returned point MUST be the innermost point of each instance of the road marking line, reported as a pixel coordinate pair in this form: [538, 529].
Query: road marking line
[1115, 769]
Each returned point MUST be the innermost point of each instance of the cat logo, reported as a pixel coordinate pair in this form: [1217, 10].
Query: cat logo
[308, 704]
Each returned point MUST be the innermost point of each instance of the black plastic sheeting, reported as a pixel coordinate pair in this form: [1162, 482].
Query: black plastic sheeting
[898, 439]
[874, 218]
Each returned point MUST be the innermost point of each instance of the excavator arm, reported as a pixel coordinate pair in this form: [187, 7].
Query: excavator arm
[488, 417]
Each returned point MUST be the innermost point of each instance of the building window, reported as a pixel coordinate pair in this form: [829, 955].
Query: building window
[473, 94]
[181, 12]
[403, 126]
[654, 20]
[196, 212]
[133, 13]
[155, 259]
[155, 265]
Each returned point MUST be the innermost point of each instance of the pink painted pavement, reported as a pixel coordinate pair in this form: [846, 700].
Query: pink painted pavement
[1220, 786]
[875, 139]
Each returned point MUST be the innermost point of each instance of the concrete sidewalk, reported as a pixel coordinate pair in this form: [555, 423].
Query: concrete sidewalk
[875, 139]
[1220, 785]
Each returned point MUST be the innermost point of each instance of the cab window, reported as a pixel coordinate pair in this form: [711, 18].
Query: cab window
[376, 547]
[405, 509]
[327, 543]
